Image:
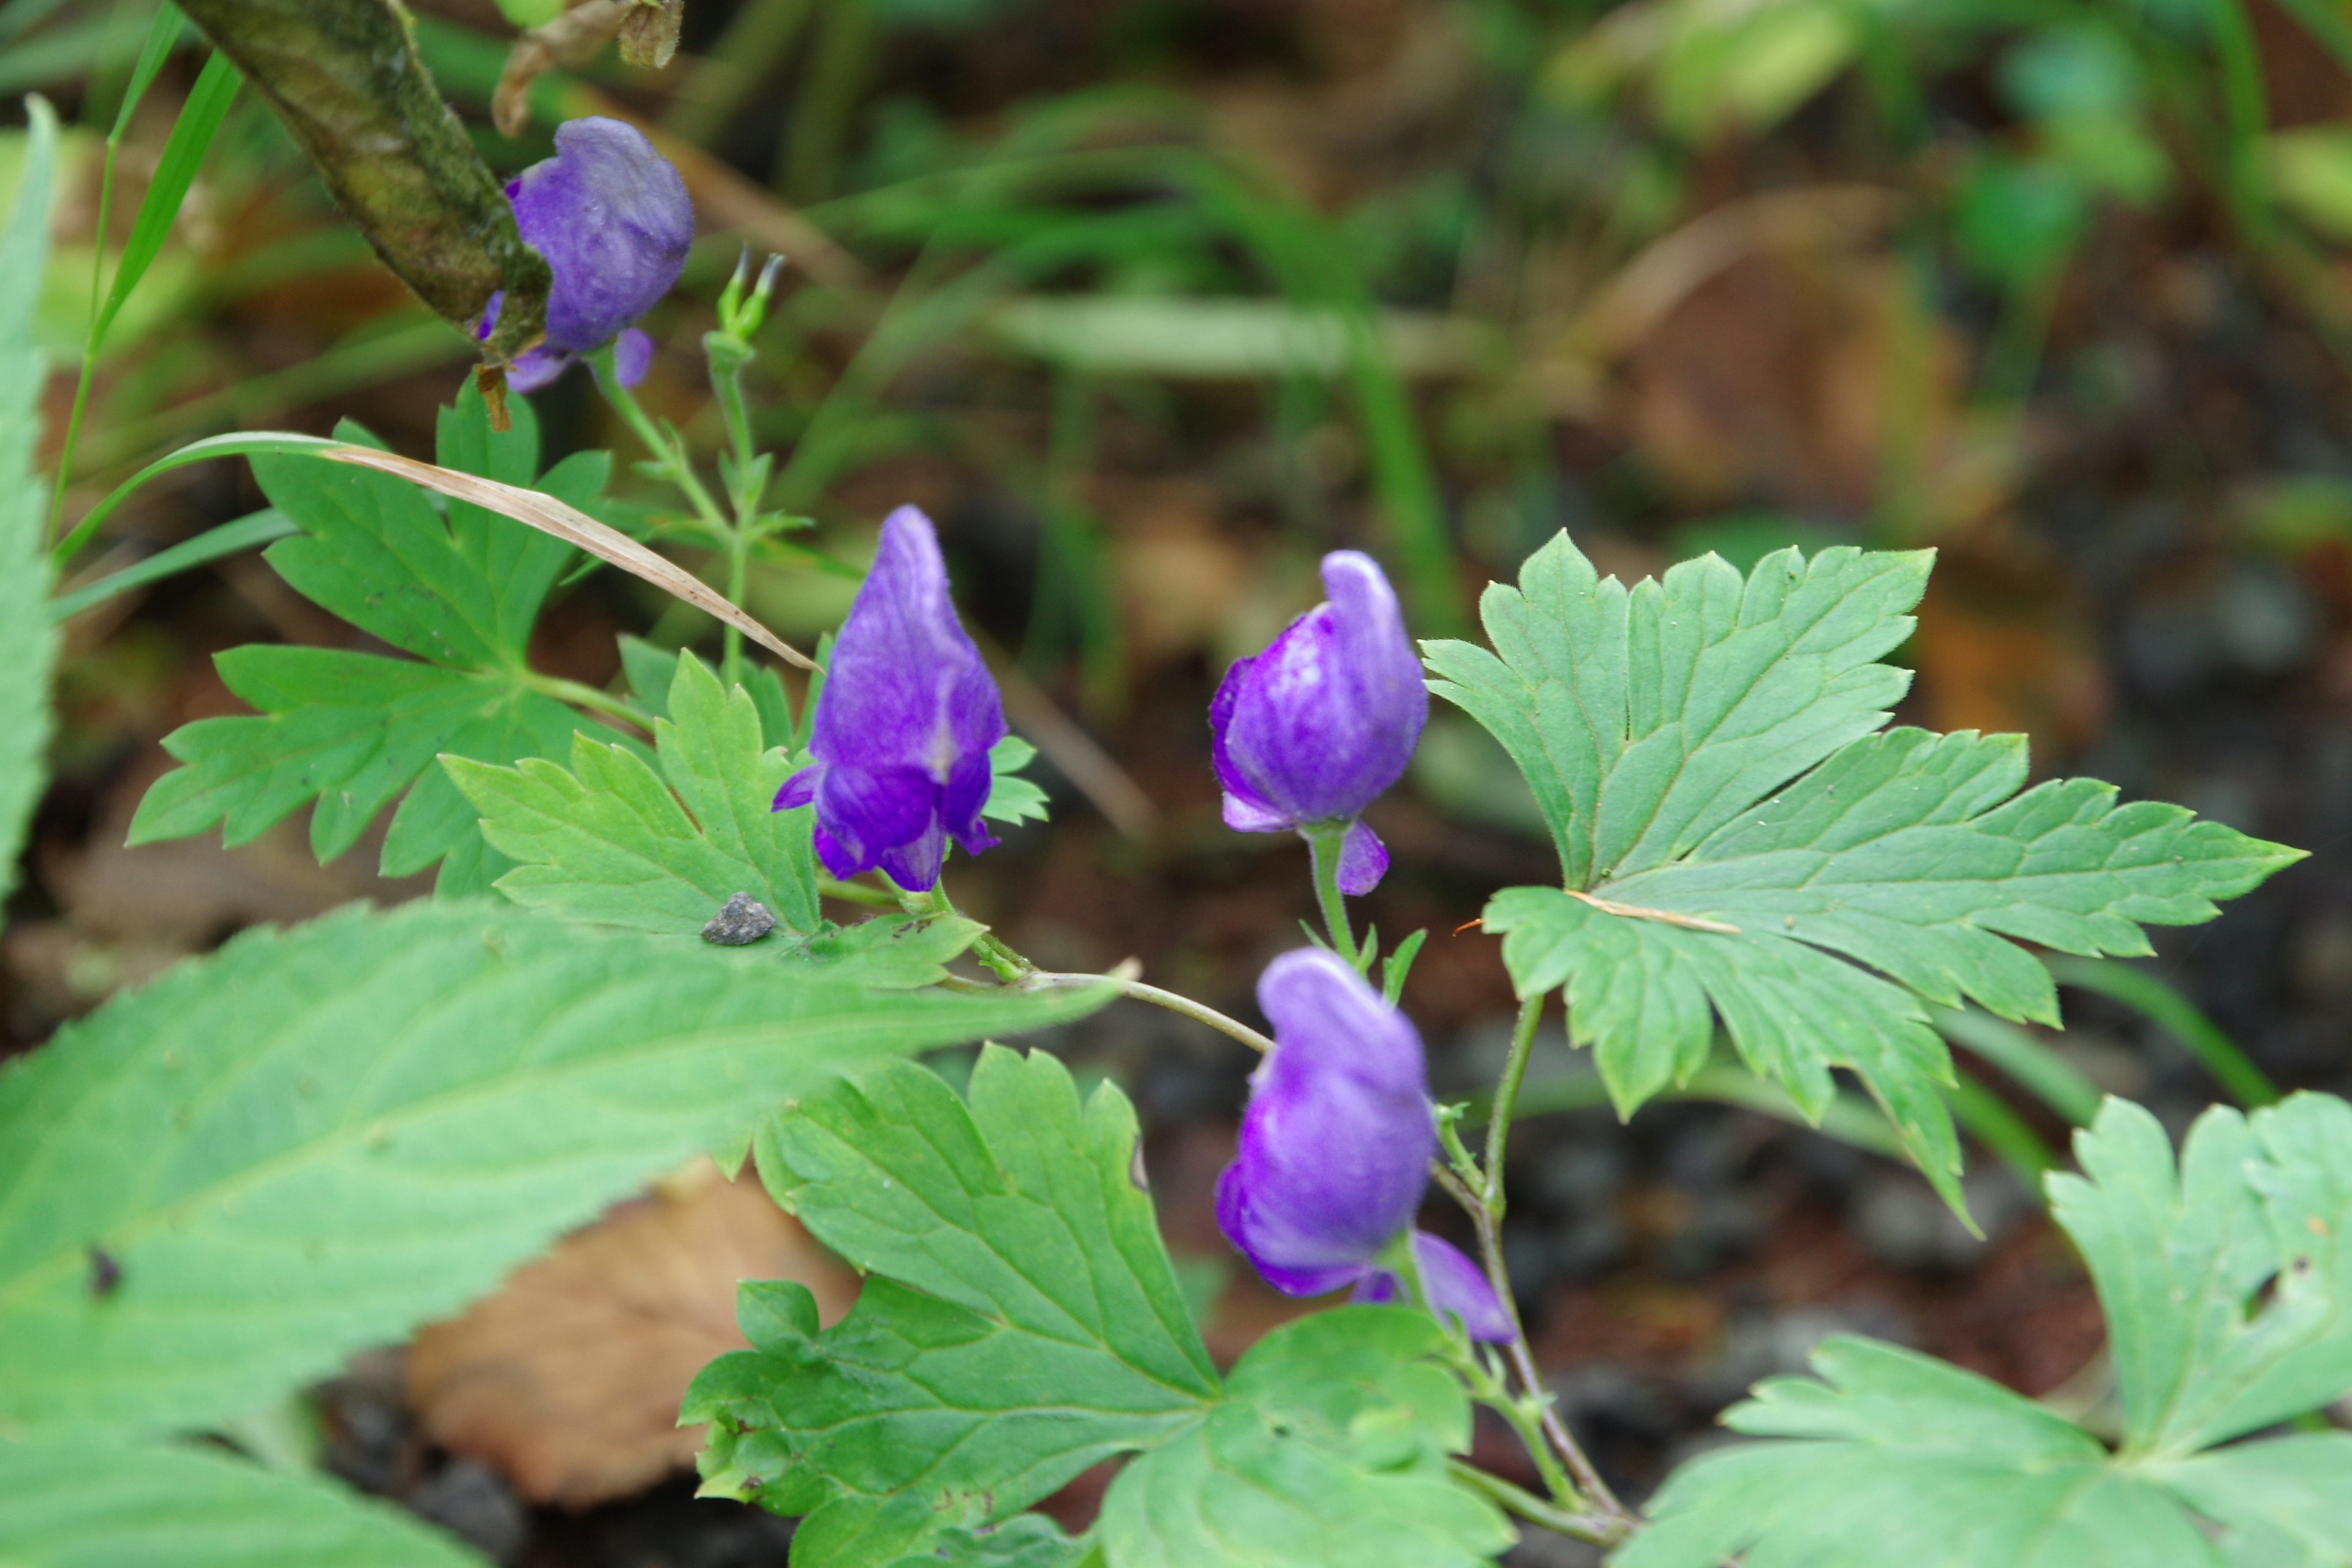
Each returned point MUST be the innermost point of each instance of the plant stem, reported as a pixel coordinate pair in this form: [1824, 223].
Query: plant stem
[739, 563]
[855, 893]
[1485, 1206]
[1184, 1006]
[1325, 842]
[666, 454]
[1599, 1532]
[581, 695]
[1507, 1099]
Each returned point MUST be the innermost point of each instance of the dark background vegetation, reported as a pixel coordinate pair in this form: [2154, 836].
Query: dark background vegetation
[1150, 302]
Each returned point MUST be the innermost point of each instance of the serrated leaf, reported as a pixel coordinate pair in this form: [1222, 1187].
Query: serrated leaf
[70, 1504]
[1898, 870]
[1645, 719]
[1893, 1456]
[1011, 797]
[2178, 1254]
[611, 840]
[895, 952]
[1329, 1449]
[1022, 1322]
[27, 639]
[318, 1139]
[355, 732]
[351, 730]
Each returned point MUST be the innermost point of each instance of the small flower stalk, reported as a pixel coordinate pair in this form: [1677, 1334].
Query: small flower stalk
[1311, 731]
[612, 218]
[1334, 1151]
[904, 723]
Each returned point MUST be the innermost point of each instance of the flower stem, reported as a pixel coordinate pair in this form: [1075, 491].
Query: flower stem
[1039, 979]
[1324, 843]
[666, 454]
[1507, 1099]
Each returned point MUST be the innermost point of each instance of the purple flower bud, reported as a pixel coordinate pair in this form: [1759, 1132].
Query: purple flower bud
[1311, 731]
[612, 218]
[1336, 1145]
[904, 723]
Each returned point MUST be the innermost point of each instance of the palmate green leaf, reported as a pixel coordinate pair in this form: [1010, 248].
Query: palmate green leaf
[2177, 1254]
[354, 731]
[613, 841]
[2229, 1302]
[100, 1504]
[1739, 843]
[27, 641]
[215, 1188]
[1022, 1322]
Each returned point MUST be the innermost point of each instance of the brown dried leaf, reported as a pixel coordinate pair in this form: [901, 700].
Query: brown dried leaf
[567, 1380]
[649, 32]
[571, 40]
[575, 527]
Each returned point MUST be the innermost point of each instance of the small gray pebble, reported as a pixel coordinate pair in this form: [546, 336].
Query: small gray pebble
[744, 921]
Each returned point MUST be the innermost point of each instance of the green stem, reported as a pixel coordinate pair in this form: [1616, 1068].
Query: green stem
[581, 695]
[1182, 1005]
[1325, 843]
[1507, 1100]
[739, 573]
[1525, 1504]
[855, 893]
[666, 454]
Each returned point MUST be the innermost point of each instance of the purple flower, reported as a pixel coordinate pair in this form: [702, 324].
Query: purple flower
[612, 218]
[904, 723]
[1334, 1148]
[1311, 731]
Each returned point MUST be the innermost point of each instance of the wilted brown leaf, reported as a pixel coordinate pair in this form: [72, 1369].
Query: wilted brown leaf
[574, 527]
[568, 1380]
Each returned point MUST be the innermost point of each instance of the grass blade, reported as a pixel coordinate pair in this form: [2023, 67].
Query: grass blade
[183, 154]
[2167, 1009]
[253, 529]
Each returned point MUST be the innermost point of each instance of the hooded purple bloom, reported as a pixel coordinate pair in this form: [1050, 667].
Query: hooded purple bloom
[1336, 1145]
[1311, 731]
[904, 723]
[612, 217]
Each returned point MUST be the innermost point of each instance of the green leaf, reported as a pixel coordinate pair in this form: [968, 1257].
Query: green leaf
[1738, 843]
[1024, 1541]
[1329, 1448]
[2287, 1501]
[1022, 1322]
[320, 1138]
[2229, 1299]
[263, 527]
[191, 137]
[28, 644]
[1011, 797]
[896, 951]
[356, 732]
[2177, 1255]
[612, 840]
[79, 1504]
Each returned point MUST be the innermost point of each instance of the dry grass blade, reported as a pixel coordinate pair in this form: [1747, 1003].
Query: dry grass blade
[574, 527]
